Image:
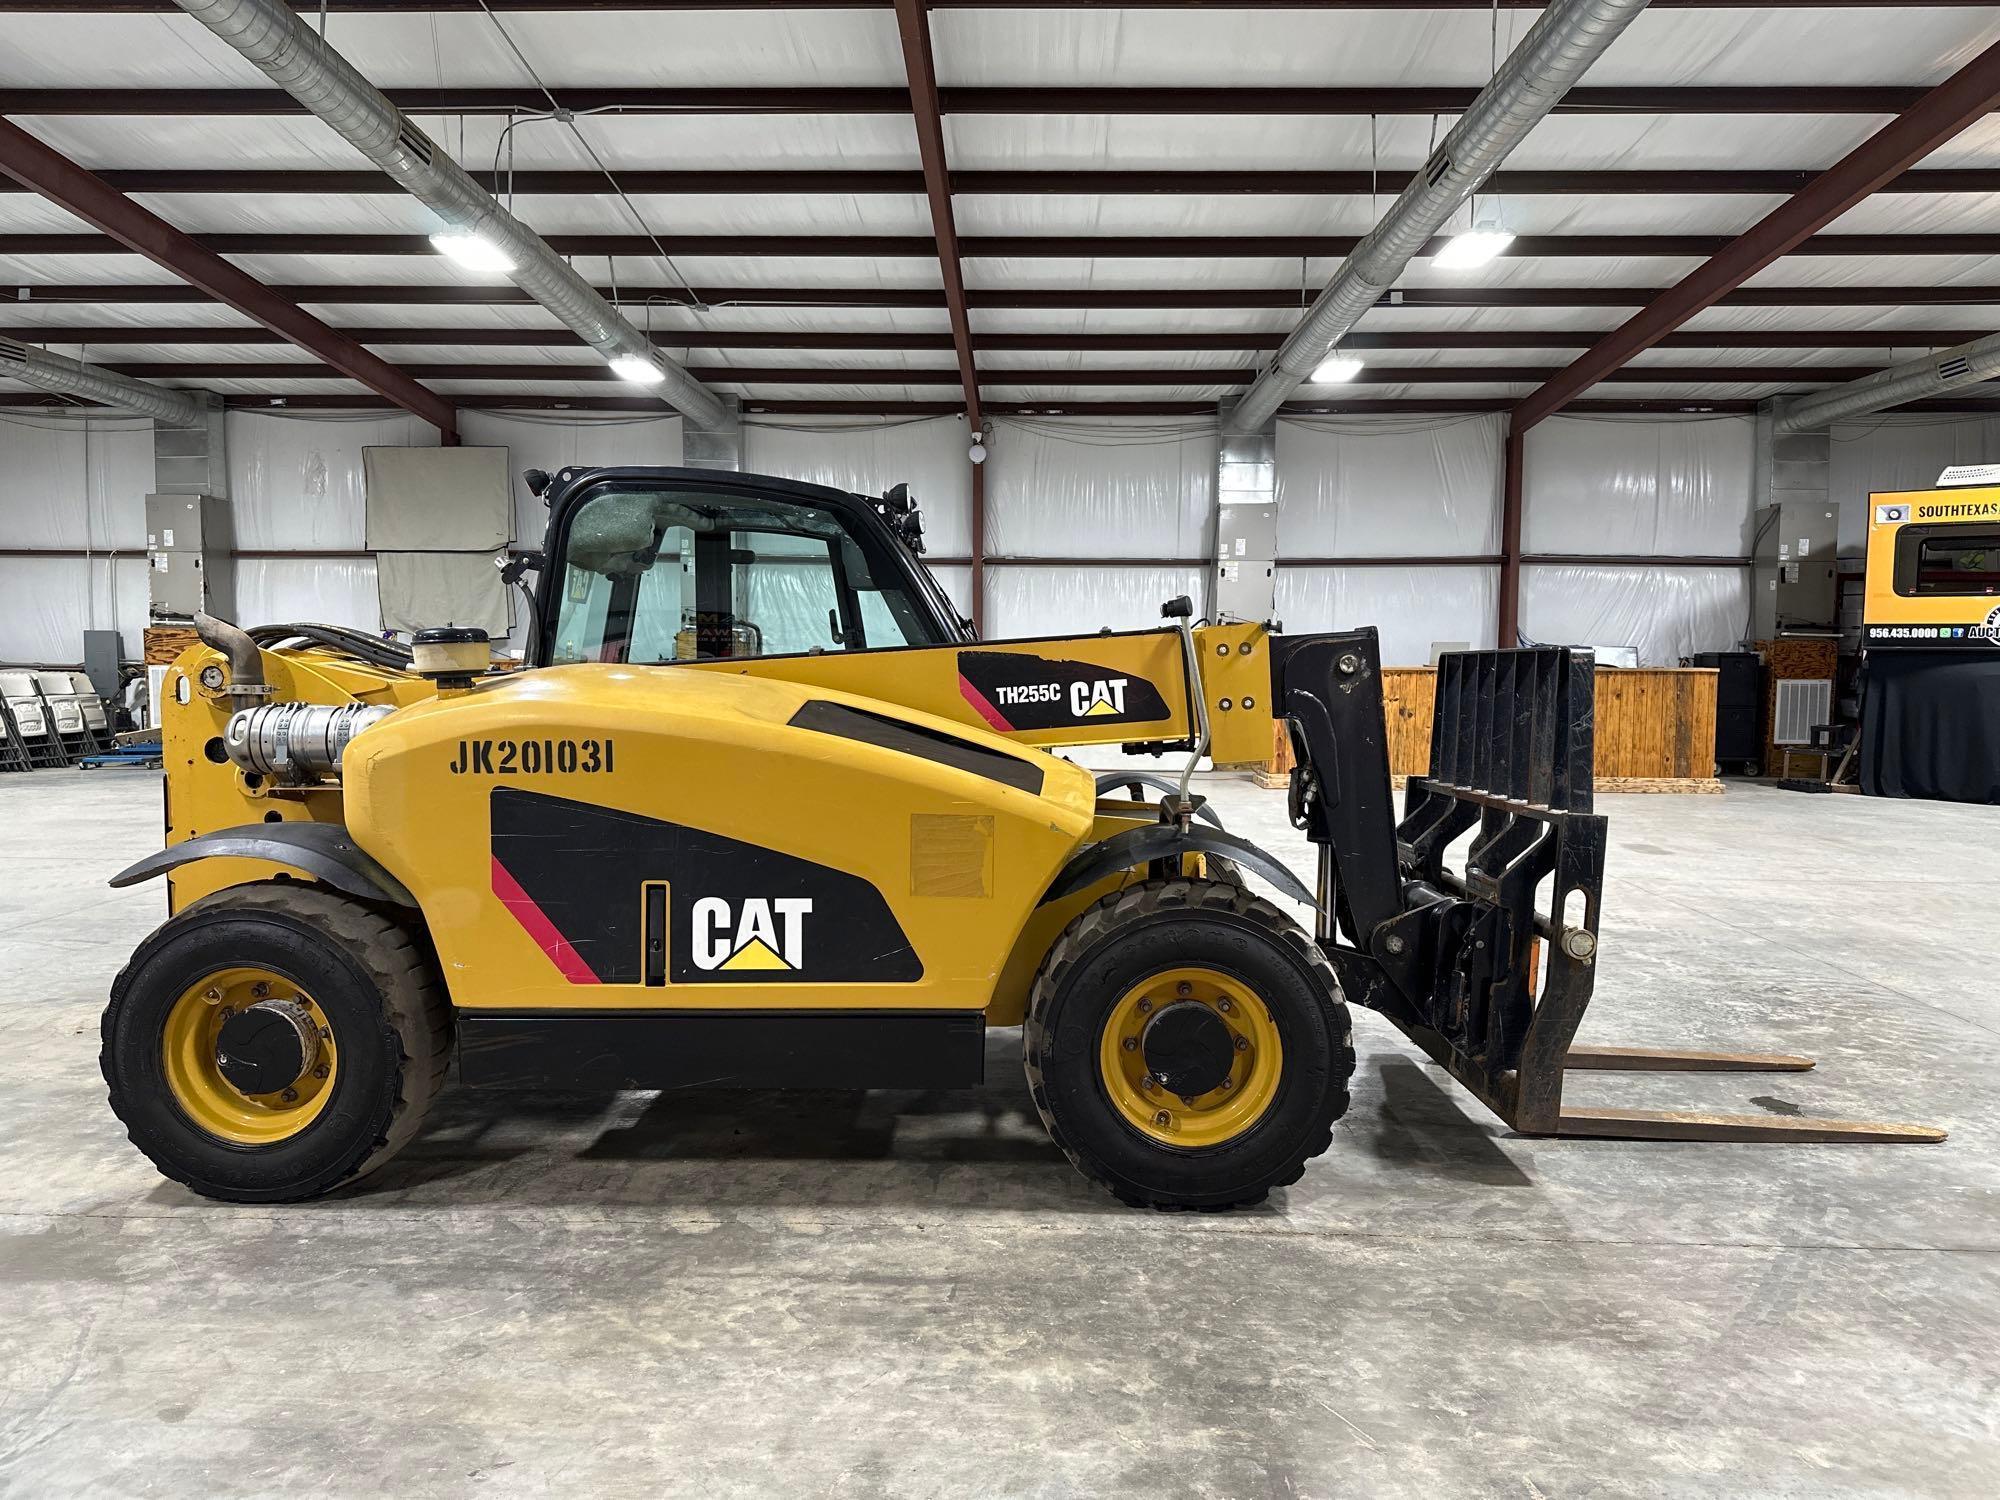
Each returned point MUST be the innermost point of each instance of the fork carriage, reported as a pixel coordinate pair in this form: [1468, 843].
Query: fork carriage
[1490, 970]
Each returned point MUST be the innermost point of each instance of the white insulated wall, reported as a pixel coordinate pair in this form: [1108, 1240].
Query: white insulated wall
[1097, 494]
[71, 486]
[1673, 487]
[867, 456]
[1385, 487]
[1091, 494]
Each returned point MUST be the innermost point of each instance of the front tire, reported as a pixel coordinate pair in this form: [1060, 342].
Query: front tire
[1186, 1045]
[273, 1042]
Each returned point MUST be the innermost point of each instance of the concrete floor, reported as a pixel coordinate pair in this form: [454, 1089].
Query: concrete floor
[912, 1294]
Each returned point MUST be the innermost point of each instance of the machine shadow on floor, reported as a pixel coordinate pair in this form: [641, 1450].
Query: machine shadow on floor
[1420, 1125]
[745, 1145]
[732, 1148]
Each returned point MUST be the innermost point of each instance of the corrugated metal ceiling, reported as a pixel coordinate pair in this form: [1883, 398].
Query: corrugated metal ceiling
[1099, 48]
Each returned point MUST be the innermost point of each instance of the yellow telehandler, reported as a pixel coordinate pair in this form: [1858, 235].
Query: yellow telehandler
[759, 810]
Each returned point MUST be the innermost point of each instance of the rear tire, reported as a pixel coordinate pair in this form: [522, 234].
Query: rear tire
[386, 1021]
[1271, 986]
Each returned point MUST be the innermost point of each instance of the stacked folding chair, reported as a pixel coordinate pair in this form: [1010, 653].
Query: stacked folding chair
[30, 721]
[65, 714]
[95, 721]
[13, 754]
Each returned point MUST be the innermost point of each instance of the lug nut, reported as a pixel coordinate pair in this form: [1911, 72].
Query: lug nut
[1144, 1006]
[1131, 1044]
[321, 1071]
[260, 989]
[1150, 1084]
[1228, 1083]
[1243, 1044]
[1163, 1118]
[212, 995]
[326, 1032]
[1184, 989]
[290, 1096]
[1188, 1099]
[228, 1011]
[1225, 1005]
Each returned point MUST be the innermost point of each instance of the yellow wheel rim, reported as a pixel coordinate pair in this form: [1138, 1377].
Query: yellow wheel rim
[194, 1073]
[1232, 1106]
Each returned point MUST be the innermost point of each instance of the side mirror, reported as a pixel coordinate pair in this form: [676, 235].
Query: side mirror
[1179, 608]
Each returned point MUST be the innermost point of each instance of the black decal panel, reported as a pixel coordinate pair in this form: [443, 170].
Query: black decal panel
[737, 912]
[910, 739]
[1013, 690]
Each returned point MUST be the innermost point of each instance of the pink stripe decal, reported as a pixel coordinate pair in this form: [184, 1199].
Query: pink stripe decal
[538, 926]
[987, 711]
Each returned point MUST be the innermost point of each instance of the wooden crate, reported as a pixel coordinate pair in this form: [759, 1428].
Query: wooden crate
[1786, 660]
[165, 642]
[1655, 728]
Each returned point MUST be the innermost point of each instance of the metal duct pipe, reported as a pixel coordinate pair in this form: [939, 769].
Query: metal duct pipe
[1947, 370]
[288, 51]
[1555, 53]
[72, 377]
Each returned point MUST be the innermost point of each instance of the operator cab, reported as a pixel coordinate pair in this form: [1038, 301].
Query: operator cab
[651, 566]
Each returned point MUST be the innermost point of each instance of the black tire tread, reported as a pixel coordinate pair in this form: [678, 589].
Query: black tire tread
[1133, 903]
[398, 962]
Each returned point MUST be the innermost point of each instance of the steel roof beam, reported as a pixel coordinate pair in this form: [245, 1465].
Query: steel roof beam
[941, 375]
[550, 401]
[1960, 101]
[585, 7]
[1030, 247]
[1174, 299]
[142, 232]
[1671, 99]
[117, 334]
[1025, 182]
[914, 26]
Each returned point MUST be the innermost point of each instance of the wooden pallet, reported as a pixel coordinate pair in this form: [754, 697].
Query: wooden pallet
[1655, 730]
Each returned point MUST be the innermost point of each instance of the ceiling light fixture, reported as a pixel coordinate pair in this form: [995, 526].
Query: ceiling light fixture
[1337, 369]
[638, 369]
[471, 249]
[1475, 245]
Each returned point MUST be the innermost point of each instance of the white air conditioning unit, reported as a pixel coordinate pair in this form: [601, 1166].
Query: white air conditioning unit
[1802, 703]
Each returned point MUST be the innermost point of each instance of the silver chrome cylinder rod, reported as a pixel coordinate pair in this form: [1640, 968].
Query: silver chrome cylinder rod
[297, 742]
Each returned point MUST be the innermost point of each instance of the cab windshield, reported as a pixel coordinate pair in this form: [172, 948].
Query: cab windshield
[649, 577]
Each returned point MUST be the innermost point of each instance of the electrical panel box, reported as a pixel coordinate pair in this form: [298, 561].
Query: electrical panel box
[1246, 545]
[103, 654]
[1794, 580]
[190, 549]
